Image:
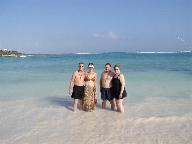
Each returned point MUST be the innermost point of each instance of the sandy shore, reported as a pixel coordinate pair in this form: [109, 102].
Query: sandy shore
[52, 121]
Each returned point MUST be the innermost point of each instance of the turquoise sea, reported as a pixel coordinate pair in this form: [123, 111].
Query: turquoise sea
[35, 106]
[147, 74]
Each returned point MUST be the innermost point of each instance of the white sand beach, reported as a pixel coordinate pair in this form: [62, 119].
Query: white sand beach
[52, 121]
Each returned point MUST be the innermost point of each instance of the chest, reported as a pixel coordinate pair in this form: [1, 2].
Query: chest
[107, 76]
[80, 76]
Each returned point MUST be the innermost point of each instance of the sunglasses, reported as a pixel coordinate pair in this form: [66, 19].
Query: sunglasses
[81, 66]
[116, 69]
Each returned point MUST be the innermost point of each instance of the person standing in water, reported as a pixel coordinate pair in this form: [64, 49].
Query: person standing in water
[78, 88]
[89, 99]
[118, 88]
[105, 86]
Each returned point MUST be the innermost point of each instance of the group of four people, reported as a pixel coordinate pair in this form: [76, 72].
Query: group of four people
[112, 85]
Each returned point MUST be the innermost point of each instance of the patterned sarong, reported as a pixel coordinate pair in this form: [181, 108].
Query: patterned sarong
[89, 101]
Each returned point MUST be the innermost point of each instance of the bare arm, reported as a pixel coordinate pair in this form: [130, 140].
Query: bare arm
[70, 83]
[101, 81]
[95, 83]
[122, 80]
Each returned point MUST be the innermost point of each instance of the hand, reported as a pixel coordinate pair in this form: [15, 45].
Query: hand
[120, 96]
[70, 91]
[95, 101]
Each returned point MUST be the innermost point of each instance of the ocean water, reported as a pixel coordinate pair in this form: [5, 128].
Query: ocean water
[35, 106]
[162, 75]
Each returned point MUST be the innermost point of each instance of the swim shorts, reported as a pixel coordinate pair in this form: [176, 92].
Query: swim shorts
[78, 92]
[106, 94]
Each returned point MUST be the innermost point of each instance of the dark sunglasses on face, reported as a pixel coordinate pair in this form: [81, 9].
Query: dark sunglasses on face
[116, 69]
[81, 66]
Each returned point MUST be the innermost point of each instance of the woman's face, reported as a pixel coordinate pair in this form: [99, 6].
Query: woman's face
[90, 67]
[117, 70]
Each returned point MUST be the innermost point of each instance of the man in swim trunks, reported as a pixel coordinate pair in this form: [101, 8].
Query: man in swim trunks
[105, 86]
[78, 89]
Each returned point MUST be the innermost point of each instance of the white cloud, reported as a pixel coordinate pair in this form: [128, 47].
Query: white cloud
[109, 35]
[97, 35]
[112, 35]
[180, 39]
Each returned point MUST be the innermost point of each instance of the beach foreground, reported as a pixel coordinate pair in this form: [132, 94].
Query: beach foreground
[52, 121]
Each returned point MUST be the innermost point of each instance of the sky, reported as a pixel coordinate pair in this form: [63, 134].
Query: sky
[92, 26]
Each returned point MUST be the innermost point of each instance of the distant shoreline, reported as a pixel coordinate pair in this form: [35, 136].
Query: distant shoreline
[10, 53]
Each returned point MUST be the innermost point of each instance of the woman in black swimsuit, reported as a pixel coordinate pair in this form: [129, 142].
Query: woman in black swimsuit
[118, 88]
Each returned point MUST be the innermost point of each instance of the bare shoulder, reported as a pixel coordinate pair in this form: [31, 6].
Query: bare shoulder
[95, 73]
[112, 73]
[75, 72]
[121, 76]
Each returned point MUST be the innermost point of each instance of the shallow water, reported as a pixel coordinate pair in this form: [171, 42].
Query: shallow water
[35, 106]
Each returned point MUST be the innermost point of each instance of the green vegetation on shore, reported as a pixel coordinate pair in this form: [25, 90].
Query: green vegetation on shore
[10, 53]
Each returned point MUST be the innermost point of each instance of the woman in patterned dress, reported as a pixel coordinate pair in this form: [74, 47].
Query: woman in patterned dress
[89, 99]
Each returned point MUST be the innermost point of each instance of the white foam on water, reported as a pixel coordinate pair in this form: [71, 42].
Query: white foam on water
[163, 52]
[85, 53]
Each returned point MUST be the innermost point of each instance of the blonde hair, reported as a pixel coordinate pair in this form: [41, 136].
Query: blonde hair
[117, 65]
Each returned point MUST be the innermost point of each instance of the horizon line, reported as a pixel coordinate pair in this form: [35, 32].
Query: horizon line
[138, 52]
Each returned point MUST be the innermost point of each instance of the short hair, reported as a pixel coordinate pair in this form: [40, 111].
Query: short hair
[108, 64]
[81, 63]
[117, 65]
[90, 64]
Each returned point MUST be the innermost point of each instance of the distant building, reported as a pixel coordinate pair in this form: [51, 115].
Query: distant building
[5, 49]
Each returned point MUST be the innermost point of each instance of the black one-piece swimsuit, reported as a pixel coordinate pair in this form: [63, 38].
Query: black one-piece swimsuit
[116, 88]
